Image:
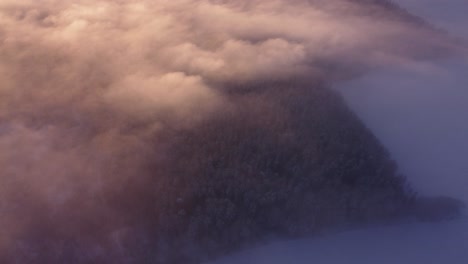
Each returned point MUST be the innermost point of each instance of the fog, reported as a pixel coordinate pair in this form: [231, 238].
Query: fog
[91, 92]
[420, 117]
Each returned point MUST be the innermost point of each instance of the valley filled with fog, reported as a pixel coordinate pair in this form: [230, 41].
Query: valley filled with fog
[419, 113]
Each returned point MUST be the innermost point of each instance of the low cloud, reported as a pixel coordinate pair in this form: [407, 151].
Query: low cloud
[88, 86]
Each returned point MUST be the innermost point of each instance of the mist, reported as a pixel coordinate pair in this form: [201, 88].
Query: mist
[97, 96]
[419, 116]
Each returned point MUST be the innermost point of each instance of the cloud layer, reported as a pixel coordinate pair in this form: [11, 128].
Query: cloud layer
[85, 85]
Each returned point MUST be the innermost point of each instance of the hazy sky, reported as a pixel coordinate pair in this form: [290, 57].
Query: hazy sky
[448, 14]
[420, 116]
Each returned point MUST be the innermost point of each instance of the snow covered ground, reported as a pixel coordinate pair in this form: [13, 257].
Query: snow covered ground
[421, 117]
